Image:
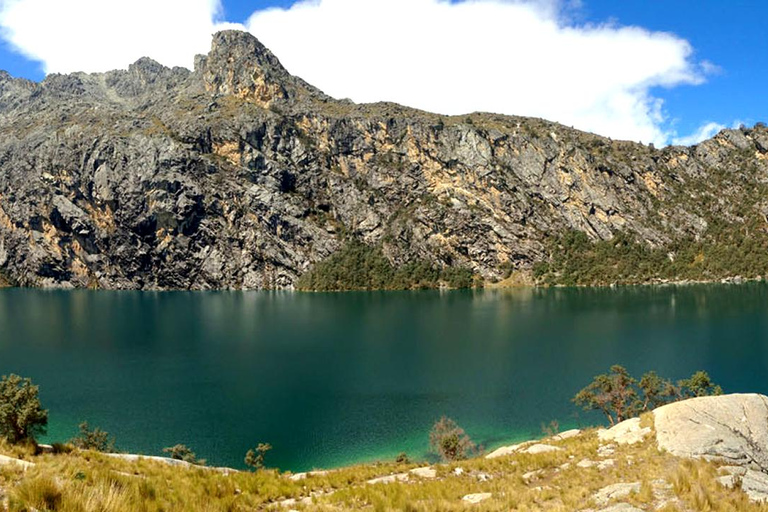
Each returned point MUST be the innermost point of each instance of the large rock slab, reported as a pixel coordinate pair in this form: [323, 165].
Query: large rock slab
[626, 432]
[730, 428]
[10, 461]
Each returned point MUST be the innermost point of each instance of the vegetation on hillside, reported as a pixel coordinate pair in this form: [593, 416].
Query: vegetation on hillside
[358, 266]
[724, 252]
[619, 396]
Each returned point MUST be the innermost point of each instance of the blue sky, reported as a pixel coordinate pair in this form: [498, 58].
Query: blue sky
[718, 82]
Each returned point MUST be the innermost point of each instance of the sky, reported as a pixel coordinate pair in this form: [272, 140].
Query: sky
[655, 71]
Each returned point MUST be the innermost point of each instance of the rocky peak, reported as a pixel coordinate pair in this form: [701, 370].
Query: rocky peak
[240, 65]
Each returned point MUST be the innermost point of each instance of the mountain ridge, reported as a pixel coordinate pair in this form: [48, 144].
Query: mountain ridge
[239, 175]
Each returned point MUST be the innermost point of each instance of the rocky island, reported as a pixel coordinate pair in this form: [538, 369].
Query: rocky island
[238, 175]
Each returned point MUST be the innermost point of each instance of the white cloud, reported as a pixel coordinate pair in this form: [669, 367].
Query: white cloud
[521, 57]
[513, 57]
[99, 35]
[704, 132]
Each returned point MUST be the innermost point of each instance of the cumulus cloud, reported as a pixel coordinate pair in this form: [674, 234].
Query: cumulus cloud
[513, 57]
[100, 35]
[521, 57]
[704, 132]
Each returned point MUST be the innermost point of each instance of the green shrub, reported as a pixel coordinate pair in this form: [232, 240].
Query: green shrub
[449, 441]
[402, 458]
[254, 458]
[22, 417]
[93, 439]
[182, 452]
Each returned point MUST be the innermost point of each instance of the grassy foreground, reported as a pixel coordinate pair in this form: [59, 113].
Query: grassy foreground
[90, 481]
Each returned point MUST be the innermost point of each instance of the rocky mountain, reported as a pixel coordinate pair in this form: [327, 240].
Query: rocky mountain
[239, 175]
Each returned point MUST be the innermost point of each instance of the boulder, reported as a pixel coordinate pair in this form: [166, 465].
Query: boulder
[732, 429]
[615, 492]
[505, 450]
[389, 479]
[626, 432]
[541, 448]
[424, 472]
[568, 434]
[10, 461]
[477, 498]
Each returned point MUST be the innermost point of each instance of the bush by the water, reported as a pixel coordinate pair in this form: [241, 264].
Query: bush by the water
[619, 396]
[22, 417]
[449, 441]
[184, 453]
[93, 439]
[358, 266]
[255, 456]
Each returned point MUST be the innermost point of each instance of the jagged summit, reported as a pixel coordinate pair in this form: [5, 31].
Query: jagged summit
[239, 64]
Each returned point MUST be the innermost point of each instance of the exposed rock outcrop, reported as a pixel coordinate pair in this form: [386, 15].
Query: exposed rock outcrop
[732, 429]
[240, 175]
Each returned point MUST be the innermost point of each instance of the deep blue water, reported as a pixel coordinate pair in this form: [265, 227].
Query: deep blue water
[330, 379]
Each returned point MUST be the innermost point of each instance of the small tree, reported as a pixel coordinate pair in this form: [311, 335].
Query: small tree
[449, 441]
[402, 458]
[255, 457]
[699, 384]
[613, 394]
[93, 439]
[182, 452]
[22, 417]
[657, 391]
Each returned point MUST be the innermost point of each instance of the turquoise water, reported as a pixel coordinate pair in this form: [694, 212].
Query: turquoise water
[331, 379]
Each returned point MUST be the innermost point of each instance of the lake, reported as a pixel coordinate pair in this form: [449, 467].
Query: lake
[332, 379]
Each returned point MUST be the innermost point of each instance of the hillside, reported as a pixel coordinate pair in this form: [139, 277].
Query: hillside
[239, 175]
[701, 454]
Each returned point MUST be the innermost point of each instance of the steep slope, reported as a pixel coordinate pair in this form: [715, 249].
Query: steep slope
[240, 175]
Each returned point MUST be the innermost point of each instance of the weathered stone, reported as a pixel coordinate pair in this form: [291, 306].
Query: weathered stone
[621, 507]
[477, 498]
[10, 461]
[755, 484]
[389, 479]
[532, 475]
[626, 432]
[424, 472]
[568, 434]
[731, 429]
[505, 450]
[542, 448]
[615, 492]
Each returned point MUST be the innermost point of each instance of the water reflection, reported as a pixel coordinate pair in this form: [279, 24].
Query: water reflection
[330, 378]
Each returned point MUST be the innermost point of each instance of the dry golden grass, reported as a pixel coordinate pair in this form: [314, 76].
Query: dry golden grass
[88, 481]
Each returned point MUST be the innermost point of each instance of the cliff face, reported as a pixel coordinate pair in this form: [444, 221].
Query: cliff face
[240, 175]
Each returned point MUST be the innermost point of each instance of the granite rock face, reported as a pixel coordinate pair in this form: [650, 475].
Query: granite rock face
[239, 175]
[731, 429]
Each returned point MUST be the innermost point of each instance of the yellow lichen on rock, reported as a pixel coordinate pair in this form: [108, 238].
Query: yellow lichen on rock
[230, 150]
